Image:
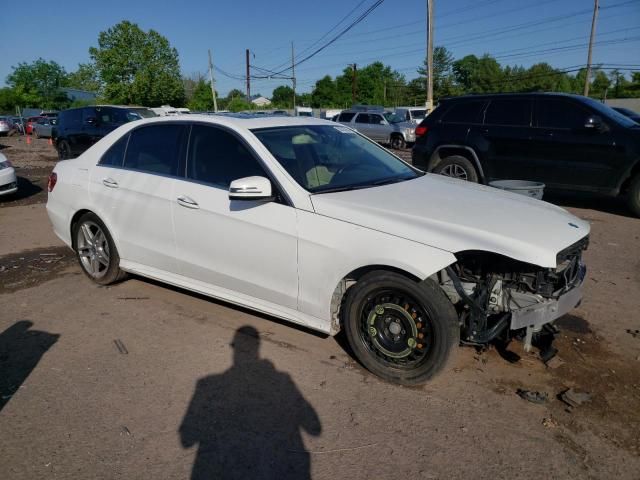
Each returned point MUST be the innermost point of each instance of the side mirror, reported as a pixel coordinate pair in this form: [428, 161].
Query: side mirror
[250, 188]
[594, 122]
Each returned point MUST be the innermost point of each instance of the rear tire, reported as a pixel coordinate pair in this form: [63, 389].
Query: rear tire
[96, 251]
[64, 151]
[633, 196]
[400, 330]
[457, 166]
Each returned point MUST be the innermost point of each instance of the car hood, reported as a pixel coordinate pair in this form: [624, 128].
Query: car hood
[455, 216]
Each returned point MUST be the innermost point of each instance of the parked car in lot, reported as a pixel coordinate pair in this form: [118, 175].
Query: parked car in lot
[44, 127]
[6, 125]
[411, 114]
[79, 128]
[567, 142]
[378, 125]
[311, 222]
[635, 116]
[8, 179]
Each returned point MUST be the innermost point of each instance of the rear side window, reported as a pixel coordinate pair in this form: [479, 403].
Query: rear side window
[509, 112]
[464, 112]
[555, 113]
[346, 117]
[114, 157]
[156, 149]
[71, 118]
[218, 157]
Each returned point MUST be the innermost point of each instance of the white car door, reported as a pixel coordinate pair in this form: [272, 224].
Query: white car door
[134, 195]
[246, 247]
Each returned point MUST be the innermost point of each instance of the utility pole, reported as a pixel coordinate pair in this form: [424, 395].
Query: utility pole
[213, 89]
[248, 78]
[593, 34]
[429, 104]
[353, 83]
[293, 78]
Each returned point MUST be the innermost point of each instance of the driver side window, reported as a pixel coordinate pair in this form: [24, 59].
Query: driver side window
[217, 157]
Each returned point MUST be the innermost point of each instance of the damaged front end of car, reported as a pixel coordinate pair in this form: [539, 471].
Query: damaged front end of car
[497, 297]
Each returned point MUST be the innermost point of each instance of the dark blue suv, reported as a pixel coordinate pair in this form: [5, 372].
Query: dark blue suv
[568, 142]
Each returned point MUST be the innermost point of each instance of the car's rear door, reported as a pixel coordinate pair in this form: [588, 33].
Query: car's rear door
[507, 131]
[246, 247]
[133, 187]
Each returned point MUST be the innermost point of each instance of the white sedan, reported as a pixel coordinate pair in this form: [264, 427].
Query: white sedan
[311, 222]
[8, 179]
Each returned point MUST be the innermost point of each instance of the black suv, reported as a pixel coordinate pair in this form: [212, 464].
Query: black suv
[568, 142]
[79, 128]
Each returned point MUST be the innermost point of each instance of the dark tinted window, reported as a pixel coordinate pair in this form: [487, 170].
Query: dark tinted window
[71, 118]
[115, 155]
[505, 111]
[556, 113]
[156, 149]
[218, 157]
[375, 119]
[362, 118]
[346, 117]
[464, 112]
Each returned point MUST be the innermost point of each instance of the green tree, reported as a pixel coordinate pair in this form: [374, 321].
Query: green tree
[138, 67]
[443, 80]
[238, 104]
[479, 75]
[325, 93]
[37, 84]
[201, 98]
[282, 96]
[85, 78]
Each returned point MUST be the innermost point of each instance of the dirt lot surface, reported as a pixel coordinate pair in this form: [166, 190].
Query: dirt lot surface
[139, 380]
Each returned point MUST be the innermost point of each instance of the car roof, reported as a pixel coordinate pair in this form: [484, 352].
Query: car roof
[239, 121]
[485, 96]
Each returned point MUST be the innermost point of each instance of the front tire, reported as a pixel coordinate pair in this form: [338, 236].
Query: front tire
[96, 251]
[397, 142]
[400, 330]
[633, 196]
[458, 167]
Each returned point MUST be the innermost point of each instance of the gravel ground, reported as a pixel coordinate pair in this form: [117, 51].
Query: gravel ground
[140, 380]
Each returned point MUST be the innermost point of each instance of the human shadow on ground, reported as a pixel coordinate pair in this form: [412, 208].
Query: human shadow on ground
[20, 351]
[247, 421]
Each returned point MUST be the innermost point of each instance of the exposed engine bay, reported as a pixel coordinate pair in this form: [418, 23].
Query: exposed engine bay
[496, 296]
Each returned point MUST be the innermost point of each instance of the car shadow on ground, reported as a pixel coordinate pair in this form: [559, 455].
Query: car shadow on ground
[246, 422]
[615, 206]
[21, 348]
[26, 190]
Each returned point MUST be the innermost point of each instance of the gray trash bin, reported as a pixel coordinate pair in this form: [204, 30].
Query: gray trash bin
[523, 187]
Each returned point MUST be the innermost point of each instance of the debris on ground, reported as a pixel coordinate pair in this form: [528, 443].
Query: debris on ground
[121, 347]
[554, 363]
[549, 422]
[573, 398]
[633, 333]
[533, 397]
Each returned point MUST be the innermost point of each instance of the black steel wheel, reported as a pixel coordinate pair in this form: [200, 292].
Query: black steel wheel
[397, 142]
[401, 330]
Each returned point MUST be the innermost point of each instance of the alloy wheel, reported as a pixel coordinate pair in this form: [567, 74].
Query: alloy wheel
[455, 171]
[93, 249]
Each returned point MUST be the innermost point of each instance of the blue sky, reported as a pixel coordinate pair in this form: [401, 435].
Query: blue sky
[518, 32]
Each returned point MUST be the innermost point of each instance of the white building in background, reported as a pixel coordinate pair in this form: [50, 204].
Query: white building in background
[261, 101]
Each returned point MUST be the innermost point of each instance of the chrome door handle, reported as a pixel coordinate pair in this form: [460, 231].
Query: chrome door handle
[110, 182]
[187, 202]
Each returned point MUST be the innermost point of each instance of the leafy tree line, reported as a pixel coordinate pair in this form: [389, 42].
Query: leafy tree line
[131, 66]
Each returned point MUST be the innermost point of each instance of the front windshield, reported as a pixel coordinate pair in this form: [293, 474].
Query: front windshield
[610, 112]
[327, 158]
[393, 117]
